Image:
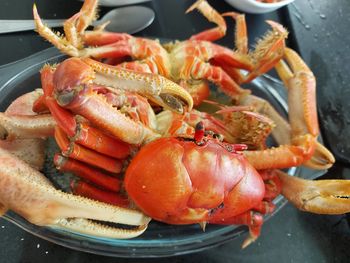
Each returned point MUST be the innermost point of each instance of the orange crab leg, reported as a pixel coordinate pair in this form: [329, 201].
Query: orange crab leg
[202, 70]
[52, 37]
[213, 16]
[73, 28]
[233, 72]
[268, 51]
[137, 66]
[86, 155]
[283, 156]
[39, 106]
[86, 135]
[100, 142]
[301, 85]
[88, 14]
[304, 148]
[64, 118]
[207, 51]
[87, 172]
[115, 50]
[254, 221]
[87, 190]
[273, 188]
[241, 35]
[101, 38]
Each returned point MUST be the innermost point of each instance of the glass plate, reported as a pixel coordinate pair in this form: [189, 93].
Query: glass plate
[160, 239]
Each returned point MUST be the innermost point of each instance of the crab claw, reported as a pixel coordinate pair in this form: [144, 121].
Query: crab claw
[31, 195]
[319, 197]
[158, 89]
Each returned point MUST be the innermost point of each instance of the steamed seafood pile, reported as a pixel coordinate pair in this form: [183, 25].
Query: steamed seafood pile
[123, 112]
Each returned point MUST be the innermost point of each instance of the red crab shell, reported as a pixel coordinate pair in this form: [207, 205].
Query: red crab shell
[177, 181]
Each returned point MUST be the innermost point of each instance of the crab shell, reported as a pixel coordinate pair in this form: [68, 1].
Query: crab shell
[179, 182]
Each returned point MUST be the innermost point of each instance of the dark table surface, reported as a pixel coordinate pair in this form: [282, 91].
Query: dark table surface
[319, 31]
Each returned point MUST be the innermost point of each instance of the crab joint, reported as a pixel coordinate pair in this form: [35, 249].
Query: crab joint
[199, 133]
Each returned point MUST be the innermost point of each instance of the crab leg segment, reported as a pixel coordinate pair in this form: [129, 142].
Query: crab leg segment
[26, 127]
[88, 173]
[28, 193]
[101, 38]
[88, 14]
[241, 35]
[78, 152]
[100, 142]
[90, 191]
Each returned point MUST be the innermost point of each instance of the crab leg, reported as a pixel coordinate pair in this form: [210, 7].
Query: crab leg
[102, 38]
[213, 16]
[304, 148]
[26, 127]
[147, 52]
[88, 173]
[73, 28]
[19, 122]
[100, 142]
[151, 55]
[241, 35]
[88, 190]
[198, 69]
[28, 193]
[268, 51]
[78, 152]
[88, 14]
[301, 85]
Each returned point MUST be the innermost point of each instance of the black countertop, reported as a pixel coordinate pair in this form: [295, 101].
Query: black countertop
[319, 31]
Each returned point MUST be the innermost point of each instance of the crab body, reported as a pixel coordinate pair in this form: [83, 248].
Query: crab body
[205, 183]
